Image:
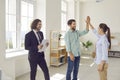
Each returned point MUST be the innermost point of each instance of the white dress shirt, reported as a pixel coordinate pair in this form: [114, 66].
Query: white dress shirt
[102, 46]
[36, 35]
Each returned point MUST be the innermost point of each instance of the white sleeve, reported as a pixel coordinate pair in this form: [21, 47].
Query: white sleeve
[96, 33]
[104, 50]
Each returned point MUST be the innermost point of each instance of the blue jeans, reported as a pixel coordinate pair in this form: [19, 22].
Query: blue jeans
[73, 66]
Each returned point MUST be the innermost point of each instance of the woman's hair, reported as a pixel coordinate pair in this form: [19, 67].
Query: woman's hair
[34, 23]
[106, 30]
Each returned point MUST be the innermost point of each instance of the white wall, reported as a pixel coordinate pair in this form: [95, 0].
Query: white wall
[53, 14]
[40, 13]
[106, 11]
[21, 65]
[53, 20]
[71, 9]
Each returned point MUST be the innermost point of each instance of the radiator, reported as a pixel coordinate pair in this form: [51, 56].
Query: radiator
[3, 76]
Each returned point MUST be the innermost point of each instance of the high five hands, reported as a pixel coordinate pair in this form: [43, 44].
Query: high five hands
[88, 22]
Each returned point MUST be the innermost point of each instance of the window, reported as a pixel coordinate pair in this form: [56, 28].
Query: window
[10, 24]
[63, 15]
[26, 19]
[19, 15]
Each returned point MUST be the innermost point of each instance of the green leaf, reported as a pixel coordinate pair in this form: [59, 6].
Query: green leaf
[87, 44]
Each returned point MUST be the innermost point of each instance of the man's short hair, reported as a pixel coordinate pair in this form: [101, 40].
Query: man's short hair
[70, 21]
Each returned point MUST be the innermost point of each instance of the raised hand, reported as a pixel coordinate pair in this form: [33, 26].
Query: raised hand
[89, 23]
[88, 20]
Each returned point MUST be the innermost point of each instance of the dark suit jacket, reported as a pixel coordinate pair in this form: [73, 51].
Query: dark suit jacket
[31, 43]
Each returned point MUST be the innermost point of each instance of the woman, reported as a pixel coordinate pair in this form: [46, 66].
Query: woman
[103, 44]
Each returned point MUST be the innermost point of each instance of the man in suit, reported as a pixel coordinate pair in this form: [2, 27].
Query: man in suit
[33, 41]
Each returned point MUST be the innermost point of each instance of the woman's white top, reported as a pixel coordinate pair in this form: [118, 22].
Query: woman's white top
[102, 46]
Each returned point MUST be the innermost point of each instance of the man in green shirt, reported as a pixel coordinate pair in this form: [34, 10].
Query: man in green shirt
[72, 42]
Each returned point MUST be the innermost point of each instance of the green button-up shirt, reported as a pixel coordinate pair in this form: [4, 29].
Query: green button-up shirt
[72, 41]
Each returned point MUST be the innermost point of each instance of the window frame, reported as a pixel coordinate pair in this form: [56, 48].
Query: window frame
[65, 13]
[18, 23]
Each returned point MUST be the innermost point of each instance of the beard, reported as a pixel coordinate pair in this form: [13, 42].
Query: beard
[38, 29]
[73, 29]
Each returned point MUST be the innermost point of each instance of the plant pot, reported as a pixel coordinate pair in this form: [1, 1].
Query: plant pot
[86, 49]
[59, 38]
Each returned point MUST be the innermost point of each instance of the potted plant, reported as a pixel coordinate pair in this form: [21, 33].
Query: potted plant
[87, 44]
[60, 36]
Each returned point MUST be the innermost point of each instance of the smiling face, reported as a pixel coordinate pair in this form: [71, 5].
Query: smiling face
[73, 25]
[36, 24]
[100, 30]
